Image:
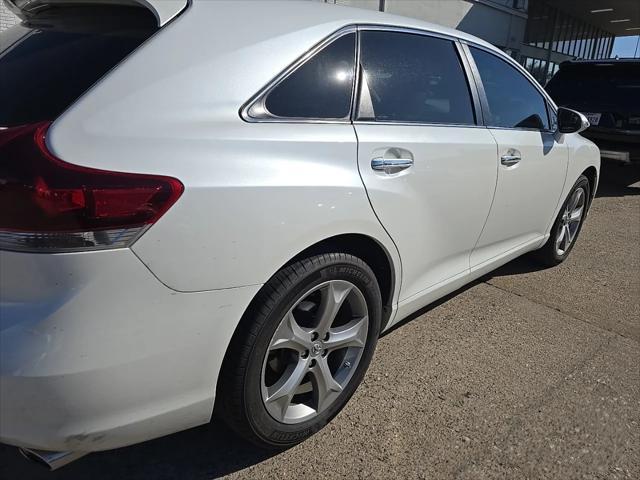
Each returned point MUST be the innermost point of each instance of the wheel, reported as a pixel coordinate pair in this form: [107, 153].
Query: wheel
[301, 350]
[567, 226]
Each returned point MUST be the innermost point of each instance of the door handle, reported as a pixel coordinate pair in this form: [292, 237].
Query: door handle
[391, 165]
[512, 157]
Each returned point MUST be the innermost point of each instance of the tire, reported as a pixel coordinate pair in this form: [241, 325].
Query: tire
[556, 250]
[256, 392]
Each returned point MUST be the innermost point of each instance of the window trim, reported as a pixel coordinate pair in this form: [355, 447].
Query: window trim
[258, 101]
[483, 96]
[362, 91]
[478, 96]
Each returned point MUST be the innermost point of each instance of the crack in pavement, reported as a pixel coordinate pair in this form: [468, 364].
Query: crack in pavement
[559, 310]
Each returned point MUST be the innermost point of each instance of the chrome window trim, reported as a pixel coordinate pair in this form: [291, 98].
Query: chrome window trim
[476, 104]
[416, 31]
[417, 124]
[468, 65]
[258, 100]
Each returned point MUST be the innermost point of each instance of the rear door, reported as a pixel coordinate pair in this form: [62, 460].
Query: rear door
[428, 167]
[532, 159]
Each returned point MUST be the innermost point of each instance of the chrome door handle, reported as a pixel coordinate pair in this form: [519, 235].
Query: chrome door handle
[512, 157]
[391, 165]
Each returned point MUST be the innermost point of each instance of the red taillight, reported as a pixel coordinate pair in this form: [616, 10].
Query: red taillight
[47, 204]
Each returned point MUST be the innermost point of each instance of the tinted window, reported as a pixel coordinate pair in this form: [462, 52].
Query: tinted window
[47, 63]
[321, 88]
[600, 85]
[415, 78]
[513, 101]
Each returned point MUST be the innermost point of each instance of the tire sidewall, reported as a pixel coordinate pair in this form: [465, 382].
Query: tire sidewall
[269, 430]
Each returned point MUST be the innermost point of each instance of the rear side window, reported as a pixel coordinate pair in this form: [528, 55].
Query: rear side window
[513, 101]
[51, 60]
[321, 87]
[415, 78]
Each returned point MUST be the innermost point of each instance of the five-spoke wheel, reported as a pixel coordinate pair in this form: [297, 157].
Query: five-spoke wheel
[570, 220]
[314, 351]
[567, 225]
[301, 349]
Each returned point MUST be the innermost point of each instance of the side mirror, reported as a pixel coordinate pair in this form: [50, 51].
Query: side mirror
[570, 121]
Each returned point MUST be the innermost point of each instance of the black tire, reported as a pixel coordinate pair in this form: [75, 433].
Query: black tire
[240, 403]
[548, 255]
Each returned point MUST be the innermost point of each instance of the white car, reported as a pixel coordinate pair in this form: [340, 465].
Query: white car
[225, 203]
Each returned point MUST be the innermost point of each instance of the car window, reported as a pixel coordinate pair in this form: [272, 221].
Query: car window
[415, 78]
[49, 61]
[513, 100]
[321, 87]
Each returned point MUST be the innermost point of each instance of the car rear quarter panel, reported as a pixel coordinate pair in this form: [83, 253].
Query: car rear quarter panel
[256, 194]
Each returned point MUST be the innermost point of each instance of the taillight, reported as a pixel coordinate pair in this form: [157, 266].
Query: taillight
[48, 205]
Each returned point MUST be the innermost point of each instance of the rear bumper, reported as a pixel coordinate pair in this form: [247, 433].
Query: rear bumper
[96, 353]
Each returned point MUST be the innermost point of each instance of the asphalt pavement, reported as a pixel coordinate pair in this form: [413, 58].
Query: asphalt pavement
[528, 373]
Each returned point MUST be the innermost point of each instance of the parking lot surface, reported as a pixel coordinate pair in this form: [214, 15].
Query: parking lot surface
[527, 373]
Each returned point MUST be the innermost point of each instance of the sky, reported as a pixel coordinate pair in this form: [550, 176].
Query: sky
[626, 47]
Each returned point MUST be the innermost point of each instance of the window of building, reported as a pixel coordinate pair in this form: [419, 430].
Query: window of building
[415, 78]
[320, 88]
[513, 101]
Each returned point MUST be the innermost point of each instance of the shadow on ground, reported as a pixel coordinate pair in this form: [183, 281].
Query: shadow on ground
[206, 452]
[617, 179]
[212, 451]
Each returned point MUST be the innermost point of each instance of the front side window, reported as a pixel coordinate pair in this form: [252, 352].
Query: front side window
[415, 78]
[513, 101]
[319, 89]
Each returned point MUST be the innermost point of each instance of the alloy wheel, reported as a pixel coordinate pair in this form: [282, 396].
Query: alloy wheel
[314, 351]
[570, 221]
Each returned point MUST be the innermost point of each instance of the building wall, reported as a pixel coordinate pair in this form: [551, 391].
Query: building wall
[493, 20]
[7, 18]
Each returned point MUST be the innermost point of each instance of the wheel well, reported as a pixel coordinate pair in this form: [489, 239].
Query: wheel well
[592, 176]
[367, 249]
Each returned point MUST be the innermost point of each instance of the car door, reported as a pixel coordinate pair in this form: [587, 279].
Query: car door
[532, 159]
[428, 166]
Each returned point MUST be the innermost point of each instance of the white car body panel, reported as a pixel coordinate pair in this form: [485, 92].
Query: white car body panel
[433, 221]
[184, 112]
[526, 191]
[94, 361]
[105, 349]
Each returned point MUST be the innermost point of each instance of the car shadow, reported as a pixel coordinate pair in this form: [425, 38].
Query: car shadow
[205, 452]
[618, 180]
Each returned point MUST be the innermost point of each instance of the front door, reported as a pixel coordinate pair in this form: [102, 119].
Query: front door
[532, 160]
